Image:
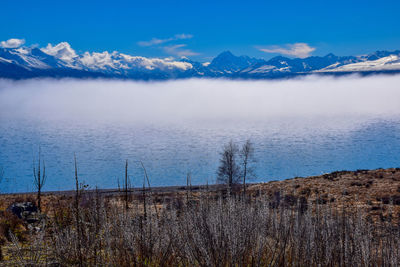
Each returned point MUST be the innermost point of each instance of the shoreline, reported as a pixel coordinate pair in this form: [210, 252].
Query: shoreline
[210, 187]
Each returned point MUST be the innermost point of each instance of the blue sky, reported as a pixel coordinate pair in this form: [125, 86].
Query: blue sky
[202, 29]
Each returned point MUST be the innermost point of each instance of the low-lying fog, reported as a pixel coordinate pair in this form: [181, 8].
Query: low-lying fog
[299, 127]
[198, 99]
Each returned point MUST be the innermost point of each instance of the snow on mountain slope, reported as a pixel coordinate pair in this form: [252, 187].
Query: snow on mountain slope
[31, 61]
[269, 69]
[262, 69]
[22, 57]
[391, 62]
[5, 60]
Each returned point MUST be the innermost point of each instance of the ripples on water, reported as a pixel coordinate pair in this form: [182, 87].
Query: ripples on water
[283, 150]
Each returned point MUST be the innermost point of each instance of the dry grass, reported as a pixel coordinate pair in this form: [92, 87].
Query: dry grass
[373, 191]
[337, 219]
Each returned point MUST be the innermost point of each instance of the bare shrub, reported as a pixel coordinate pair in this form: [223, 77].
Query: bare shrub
[219, 232]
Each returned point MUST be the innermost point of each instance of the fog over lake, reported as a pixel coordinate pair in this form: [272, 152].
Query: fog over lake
[299, 127]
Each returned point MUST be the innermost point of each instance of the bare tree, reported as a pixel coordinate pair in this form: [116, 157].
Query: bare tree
[188, 186]
[148, 184]
[229, 170]
[39, 179]
[126, 186]
[77, 214]
[247, 158]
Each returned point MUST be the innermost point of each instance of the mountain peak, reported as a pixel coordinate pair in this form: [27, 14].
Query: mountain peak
[226, 53]
[229, 63]
[330, 55]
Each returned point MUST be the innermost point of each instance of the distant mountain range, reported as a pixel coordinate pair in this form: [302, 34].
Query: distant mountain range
[62, 61]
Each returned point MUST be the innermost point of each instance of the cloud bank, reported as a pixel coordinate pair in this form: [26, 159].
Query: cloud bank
[301, 50]
[200, 100]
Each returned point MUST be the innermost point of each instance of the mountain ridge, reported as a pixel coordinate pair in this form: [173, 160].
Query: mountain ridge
[62, 61]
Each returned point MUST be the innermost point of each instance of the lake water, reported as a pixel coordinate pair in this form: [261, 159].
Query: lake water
[286, 146]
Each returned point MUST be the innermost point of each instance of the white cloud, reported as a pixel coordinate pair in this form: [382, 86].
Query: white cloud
[179, 50]
[12, 43]
[153, 41]
[157, 41]
[301, 50]
[99, 60]
[62, 51]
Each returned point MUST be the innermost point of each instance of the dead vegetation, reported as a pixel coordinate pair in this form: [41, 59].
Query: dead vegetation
[296, 222]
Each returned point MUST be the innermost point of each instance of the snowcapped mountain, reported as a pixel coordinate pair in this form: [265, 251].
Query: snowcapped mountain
[281, 66]
[227, 63]
[61, 60]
